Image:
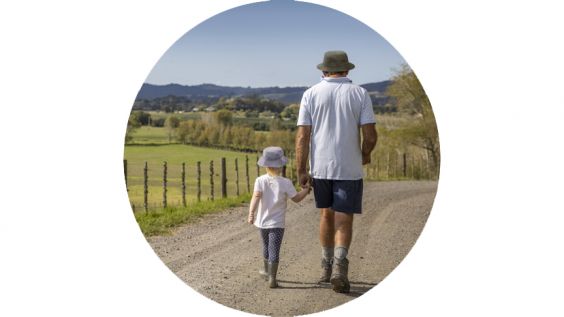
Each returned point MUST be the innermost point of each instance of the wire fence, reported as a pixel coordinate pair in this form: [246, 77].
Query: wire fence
[166, 185]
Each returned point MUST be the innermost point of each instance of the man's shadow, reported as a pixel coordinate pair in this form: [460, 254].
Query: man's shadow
[357, 288]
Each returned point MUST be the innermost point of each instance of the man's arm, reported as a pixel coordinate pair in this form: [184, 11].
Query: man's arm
[369, 139]
[302, 151]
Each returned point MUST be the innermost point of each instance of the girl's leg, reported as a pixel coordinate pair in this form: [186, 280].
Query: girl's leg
[265, 242]
[274, 243]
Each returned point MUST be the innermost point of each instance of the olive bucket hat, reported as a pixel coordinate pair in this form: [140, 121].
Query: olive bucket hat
[335, 61]
[272, 156]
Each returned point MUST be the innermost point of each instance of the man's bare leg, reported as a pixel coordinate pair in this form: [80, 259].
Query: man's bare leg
[343, 229]
[327, 228]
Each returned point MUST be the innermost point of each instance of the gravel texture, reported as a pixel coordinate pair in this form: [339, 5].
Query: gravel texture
[220, 254]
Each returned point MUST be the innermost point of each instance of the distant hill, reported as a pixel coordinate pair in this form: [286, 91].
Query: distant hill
[206, 91]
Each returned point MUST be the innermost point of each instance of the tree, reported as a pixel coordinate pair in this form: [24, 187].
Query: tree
[410, 98]
[132, 126]
[140, 117]
[183, 131]
[291, 112]
[171, 123]
[224, 117]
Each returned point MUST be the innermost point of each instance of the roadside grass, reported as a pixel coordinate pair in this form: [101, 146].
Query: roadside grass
[162, 220]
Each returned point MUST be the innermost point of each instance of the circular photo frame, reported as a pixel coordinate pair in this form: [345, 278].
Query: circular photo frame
[281, 158]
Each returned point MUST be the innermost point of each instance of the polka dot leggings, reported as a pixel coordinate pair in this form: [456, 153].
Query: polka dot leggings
[271, 242]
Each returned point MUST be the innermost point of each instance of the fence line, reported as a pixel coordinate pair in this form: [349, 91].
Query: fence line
[396, 166]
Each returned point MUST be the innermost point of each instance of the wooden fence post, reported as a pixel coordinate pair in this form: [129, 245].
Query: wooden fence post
[211, 181]
[223, 178]
[237, 176]
[247, 173]
[145, 188]
[199, 180]
[164, 184]
[411, 166]
[421, 166]
[125, 173]
[388, 167]
[396, 167]
[258, 167]
[183, 184]
[404, 164]
[378, 168]
[291, 166]
[428, 169]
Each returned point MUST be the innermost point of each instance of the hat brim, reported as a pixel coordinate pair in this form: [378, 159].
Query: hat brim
[263, 162]
[342, 68]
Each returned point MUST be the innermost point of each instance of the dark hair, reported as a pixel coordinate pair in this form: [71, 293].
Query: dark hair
[341, 73]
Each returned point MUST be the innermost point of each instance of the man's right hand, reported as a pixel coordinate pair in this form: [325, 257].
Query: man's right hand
[304, 179]
[366, 159]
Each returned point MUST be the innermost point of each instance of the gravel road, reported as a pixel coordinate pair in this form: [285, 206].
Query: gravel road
[220, 254]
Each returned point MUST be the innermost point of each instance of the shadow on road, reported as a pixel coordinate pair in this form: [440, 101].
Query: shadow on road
[357, 288]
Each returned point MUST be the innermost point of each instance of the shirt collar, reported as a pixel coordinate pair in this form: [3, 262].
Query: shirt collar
[337, 79]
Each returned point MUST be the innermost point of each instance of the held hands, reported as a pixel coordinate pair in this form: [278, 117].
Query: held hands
[305, 180]
[307, 187]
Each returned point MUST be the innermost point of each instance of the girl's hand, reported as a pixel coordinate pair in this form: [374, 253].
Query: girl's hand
[251, 219]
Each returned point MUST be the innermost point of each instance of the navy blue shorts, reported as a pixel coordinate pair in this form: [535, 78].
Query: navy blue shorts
[339, 195]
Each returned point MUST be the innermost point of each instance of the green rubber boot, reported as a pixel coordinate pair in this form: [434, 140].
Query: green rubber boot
[272, 271]
[264, 272]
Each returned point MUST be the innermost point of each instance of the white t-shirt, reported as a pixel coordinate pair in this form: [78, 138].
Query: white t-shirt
[335, 109]
[272, 206]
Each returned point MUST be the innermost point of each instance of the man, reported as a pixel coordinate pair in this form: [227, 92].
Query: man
[331, 114]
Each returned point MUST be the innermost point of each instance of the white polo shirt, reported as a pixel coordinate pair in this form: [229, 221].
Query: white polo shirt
[276, 190]
[335, 109]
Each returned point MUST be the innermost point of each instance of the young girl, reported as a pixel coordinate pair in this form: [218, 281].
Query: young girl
[270, 195]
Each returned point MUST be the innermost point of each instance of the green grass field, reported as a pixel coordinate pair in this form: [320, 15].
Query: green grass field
[151, 135]
[175, 155]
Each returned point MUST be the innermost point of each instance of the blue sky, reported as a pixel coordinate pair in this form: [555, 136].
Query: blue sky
[273, 43]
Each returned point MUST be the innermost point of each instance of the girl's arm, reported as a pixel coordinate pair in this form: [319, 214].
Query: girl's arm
[302, 194]
[253, 206]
